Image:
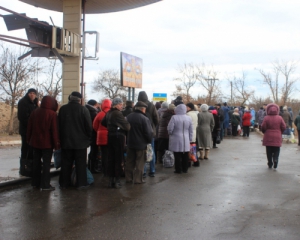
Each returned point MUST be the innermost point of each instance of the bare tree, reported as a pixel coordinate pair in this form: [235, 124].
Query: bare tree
[240, 93]
[108, 82]
[287, 69]
[187, 80]
[207, 78]
[52, 83]
[271, 82]
[16, 76]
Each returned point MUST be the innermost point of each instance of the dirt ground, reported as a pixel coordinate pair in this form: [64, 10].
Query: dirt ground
[4, 119]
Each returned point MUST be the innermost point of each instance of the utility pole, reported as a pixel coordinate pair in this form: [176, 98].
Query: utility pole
[231, 92]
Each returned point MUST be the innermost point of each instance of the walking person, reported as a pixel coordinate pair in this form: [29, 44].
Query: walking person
[235, 121]
[139, 135]
[42, 135]
[117, 127]
[246, 122]
[273, 127]
[206, 125]
[180, 129]
[25, 107]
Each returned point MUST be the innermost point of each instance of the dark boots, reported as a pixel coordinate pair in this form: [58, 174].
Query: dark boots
[114, 182]
[196, 164]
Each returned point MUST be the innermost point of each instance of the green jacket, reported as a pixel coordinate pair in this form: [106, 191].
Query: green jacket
[235, 120]
[297, 121]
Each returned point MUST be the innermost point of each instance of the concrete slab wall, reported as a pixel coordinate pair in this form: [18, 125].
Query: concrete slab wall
[72, 10]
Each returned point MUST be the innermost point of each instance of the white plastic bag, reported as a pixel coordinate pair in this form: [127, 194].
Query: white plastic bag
[149, 152]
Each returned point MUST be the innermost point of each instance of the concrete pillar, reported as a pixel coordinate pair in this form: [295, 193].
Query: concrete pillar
[72, 10]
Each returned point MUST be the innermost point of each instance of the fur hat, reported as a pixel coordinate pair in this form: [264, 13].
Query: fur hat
[141, 104]
[92, 102]
[76, 94]
[116, 101]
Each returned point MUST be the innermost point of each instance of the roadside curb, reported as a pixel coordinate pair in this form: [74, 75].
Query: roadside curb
[6, 143]
[23, 179]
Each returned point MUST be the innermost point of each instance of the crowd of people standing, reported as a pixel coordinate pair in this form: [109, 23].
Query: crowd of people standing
[122, 135]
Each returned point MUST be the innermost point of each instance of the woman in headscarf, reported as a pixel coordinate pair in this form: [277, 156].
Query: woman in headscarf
[206, 125]
[272, 127]
[180, 131]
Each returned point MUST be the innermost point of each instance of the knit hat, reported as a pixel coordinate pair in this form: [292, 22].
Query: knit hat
[211, 108]
[92, 102]
[171, 106]
[190, 105]
[164, 105]
[76, 94]
[31, 90]
[116, 101]
[141, 104]
[204, 108]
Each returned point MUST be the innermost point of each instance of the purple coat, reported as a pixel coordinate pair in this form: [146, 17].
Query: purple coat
[273, 127]
[180, 129]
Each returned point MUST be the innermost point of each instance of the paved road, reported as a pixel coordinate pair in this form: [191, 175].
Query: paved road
[233, 195]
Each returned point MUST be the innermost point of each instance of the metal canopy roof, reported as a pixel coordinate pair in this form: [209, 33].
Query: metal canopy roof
[93, 6]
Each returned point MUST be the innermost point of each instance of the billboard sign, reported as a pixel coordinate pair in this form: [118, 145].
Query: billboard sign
[131, 71]
[159, 97]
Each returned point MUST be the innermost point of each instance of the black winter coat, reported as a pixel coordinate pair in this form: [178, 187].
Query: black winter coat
[127, 111]
[140, 133]
[75, 126]
[216, 129]
[25, 108]
[93, 113]
[163, 123]
[151, 111]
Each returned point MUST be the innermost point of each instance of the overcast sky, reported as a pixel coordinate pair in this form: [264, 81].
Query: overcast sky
[232, 35]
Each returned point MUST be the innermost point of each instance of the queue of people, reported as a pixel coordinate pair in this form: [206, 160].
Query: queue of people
[122, 136]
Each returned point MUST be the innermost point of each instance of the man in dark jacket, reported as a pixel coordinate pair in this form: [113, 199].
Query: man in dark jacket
[128, 108]
[75, 127]
[139, 135]
[25, 107]
[117, 127]
[152, 114]
[92, 157]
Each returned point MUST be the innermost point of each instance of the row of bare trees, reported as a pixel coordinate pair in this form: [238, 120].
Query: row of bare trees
[281, 82]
